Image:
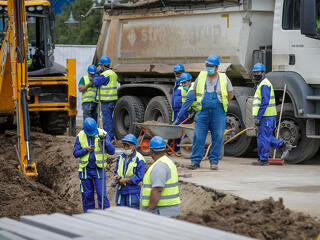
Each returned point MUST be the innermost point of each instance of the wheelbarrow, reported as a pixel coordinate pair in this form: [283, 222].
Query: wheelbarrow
[164, 130]
[186, 143]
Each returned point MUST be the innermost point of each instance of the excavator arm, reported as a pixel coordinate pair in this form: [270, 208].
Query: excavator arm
[17, 29]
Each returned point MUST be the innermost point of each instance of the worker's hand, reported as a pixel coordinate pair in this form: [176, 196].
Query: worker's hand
[176, 121]
[90, 84]
[115, 177]
[257, 122]
[123, 181]
[90, 148]
[192, 114]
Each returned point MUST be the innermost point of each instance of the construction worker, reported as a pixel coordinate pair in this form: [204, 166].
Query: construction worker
[160, 194]
[106, 83]
[176, 100]
[129, 172]
[213, 91]
[187, 102]
[88, 148]
[265, 114]
[89, 94]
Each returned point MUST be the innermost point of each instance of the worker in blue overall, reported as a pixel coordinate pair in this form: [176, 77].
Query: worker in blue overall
[88, 148]
[187, 102]
[176, 100]
[264, 111]
[129, 173]
[106, 83]
[213, 91]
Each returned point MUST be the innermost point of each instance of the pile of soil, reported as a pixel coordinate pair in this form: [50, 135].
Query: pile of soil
[266, 219]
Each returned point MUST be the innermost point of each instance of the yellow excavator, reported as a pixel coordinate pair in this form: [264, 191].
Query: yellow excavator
[29, 78]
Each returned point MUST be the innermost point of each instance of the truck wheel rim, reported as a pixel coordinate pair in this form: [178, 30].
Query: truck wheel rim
[289, 132]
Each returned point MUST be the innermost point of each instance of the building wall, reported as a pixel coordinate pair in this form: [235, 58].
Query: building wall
[84, 56]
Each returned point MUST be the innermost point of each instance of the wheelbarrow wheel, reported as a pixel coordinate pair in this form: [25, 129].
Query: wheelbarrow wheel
[143, 146]
[186, 151]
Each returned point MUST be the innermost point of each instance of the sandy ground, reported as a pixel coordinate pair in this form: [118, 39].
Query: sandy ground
[57, 190]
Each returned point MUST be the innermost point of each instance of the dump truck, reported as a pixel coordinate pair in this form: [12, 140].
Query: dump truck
[146, 39]
[51, 87]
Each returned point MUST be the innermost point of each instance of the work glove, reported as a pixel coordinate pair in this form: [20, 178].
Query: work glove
[192, 114]
[176, 121]
[257, 122]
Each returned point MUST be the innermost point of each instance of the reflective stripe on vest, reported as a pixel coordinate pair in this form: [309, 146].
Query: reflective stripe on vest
[90, 94]
[129, 171]
[109, 92]
[170, 192]
[84, 160]
[200, 90]
[184, 94]
[271, 110]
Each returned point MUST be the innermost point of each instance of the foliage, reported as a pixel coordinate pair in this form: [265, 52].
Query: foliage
[86, 32]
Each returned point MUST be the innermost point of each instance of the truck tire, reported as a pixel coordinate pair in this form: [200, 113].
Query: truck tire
[243, 144]
[128, 111]
[54, 123]
[293, 131]
[158, 109]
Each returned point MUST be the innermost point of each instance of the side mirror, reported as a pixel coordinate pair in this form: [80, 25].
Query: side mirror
[308, 18]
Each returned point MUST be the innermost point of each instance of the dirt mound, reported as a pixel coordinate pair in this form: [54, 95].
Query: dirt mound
[267, 219]
[21, 196]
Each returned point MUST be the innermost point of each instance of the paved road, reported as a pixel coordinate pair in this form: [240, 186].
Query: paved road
[298, 185]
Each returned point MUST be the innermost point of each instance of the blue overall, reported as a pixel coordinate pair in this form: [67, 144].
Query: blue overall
[266, 139]
[90, 109]
[211, 117]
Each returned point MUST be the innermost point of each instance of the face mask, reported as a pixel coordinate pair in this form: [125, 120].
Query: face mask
[127, 152]
[211, 70]
[186, 89]
[101, 70]
[257, 77]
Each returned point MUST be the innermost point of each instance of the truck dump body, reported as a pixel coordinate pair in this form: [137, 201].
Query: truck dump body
[152, 37]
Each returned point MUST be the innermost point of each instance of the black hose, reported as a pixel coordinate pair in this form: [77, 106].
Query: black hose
[25, 114]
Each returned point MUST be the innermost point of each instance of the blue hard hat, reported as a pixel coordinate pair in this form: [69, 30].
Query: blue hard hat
[105, 60]
[185, 77]
[178, 68]
[157, 144]
[213, 60]
[90, 126]
[92, 69]
[130, 138]
[258, 67]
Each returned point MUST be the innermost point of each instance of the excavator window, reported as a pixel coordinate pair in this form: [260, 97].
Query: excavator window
[3, 25]
[318, 16]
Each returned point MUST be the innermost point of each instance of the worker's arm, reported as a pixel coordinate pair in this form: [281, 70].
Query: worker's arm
[116, 168]
[265, 98]
[139, 173]
[81, 86]
[189, 100]
[155, 197]
[109, 147]
[78, 151]
[177, 100]
[101, 80]
[230, 95]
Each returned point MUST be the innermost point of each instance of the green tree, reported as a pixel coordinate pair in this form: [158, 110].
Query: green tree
[84, 33]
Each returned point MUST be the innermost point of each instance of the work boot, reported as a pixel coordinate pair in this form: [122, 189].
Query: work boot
[260, 163]
[286, 148]
[193, 166]
[214, 166]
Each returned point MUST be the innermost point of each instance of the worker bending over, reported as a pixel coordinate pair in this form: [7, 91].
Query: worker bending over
[213, 91]
[129, 172]
[265, 114]
[187, 102]
[107, 92]
[89, 94]
[160, 194]
[89, 149]
[176, 100]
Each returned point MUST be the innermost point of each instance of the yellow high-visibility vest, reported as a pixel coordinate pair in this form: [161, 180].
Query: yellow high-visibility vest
[109, 92]
[129, 172]
[84, 160]
[200, 90]
[170, 192]
[271, 110]
[90, 94]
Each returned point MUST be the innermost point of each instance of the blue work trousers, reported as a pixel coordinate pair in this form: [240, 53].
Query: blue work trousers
[90, 181]
[107, 111]
[90, 110]
[212, 117]
[129, 200]
[265, 138]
